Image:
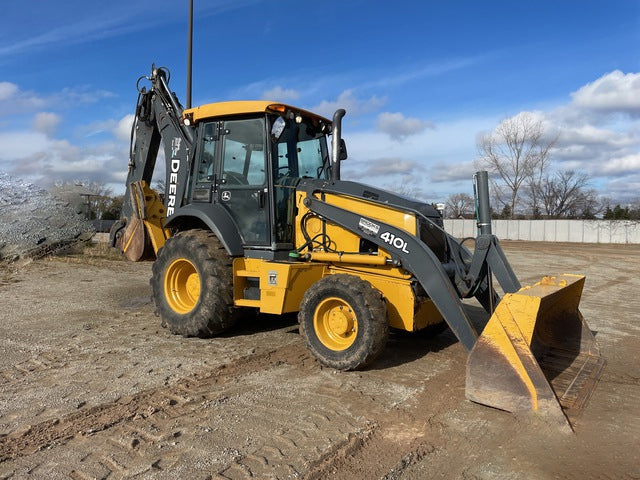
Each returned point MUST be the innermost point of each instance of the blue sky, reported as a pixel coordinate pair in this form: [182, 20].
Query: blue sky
[419, 80]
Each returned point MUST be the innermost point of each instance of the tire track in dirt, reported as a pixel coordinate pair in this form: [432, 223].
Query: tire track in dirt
[142, 434]
[399, 437]
[43, 362]
[407, 436]
[290, 450]
[58, 431]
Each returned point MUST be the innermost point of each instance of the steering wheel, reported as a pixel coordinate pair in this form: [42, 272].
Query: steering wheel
[285, 171]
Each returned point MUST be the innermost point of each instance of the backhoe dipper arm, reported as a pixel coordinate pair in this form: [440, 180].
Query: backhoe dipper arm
[158, 117]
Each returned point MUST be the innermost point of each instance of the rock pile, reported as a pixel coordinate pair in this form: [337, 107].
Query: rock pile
[34, 223]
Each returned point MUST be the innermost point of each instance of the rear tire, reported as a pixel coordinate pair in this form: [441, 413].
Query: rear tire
[192, 285]
[343, 320]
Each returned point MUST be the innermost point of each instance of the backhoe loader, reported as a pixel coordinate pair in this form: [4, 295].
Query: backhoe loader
[255, 215]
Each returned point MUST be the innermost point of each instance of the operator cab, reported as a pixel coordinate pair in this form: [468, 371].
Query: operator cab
[249, 157]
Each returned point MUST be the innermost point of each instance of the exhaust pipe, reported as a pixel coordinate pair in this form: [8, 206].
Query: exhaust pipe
[335, 143]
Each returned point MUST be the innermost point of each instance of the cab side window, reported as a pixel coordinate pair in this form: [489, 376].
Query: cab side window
[206, 167]
[244, 162]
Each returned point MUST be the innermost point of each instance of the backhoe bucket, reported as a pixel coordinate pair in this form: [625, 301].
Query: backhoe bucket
[536, 353]
[144, 233]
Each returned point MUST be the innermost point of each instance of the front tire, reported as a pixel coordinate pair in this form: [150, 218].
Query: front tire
[192, 285]
[343, 320]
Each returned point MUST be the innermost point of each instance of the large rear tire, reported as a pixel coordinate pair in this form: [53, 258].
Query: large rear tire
[343, 320]
[192, 285]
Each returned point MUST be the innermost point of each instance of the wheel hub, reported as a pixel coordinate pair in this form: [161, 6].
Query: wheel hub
[182, 286]
[335, 324]
[339, 322]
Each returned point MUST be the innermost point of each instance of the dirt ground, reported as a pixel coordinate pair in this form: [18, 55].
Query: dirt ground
[91, 386]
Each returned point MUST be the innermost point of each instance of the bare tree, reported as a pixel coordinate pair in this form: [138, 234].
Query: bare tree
[458, 205]
[518, 152]
[563, 194]
[160, 186]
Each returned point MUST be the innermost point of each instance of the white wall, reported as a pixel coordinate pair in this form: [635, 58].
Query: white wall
[580, 231]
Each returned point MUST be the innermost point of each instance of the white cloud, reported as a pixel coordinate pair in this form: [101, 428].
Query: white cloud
[33, 155]
[525, 120]
[599, 145]
[613, 92]
[598, 131]
[122, 129]
[431, 164]
[383, 167]
[622, 165]
[452, 172]
[398, 127]
[587, 134]
[46, 122]
[15, 101]
[352, 104]
[281, 94]
[622, 189]
[7, 90]
[17, 145]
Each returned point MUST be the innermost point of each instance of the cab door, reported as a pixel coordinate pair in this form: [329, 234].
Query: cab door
[241, 183]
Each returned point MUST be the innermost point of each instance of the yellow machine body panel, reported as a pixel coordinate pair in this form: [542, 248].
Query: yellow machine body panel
[404, 310]
[242, 107]
[343, 240]
[281, 286]
[536, 354]
[278, 287]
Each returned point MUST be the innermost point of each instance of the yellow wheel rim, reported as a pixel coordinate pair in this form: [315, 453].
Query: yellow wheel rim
[182, 286]
[335, 324]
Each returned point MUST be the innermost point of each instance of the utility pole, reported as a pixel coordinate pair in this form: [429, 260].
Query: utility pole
[189, 53]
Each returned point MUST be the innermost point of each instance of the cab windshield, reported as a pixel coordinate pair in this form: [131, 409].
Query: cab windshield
[301, 151]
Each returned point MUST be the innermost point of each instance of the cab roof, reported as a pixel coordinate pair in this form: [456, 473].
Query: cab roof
[223, 109]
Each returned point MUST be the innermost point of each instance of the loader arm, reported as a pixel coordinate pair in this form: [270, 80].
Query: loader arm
[158, 118]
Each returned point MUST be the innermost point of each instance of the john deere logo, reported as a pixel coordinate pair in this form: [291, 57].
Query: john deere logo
[226, 196]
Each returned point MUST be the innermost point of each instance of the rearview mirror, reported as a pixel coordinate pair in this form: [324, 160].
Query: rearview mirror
[277, 128]
[342, 154]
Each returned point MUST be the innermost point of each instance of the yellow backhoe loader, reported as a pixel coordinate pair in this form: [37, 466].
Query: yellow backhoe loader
[256, 215]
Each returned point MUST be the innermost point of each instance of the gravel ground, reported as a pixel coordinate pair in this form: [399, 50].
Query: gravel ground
[34, 223]
[93, 387]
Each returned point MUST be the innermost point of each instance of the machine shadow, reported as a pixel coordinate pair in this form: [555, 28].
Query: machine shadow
[251, 323]
[406, 347]
[402, 347]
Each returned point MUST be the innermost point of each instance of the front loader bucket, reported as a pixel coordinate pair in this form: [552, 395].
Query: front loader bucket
[536, 353]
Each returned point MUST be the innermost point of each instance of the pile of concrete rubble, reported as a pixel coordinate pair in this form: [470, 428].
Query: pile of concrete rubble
[34, 223]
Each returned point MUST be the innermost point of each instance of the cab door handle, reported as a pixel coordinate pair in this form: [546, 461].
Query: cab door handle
[262, 198]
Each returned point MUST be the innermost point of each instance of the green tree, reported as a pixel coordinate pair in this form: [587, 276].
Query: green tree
[113, 208]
